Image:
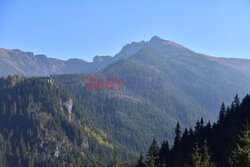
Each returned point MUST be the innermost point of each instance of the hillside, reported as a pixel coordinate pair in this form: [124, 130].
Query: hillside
[43, 125]
[186, 75]
[158, 89]
[162, 85]
[120, 113]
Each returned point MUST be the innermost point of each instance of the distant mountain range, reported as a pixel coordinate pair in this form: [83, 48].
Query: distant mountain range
[14, 61]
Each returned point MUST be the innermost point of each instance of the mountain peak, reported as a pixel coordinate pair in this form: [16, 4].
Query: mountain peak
[156, 38]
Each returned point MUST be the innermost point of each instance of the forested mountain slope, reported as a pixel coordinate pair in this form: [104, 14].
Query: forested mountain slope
[43, 125]
[158, 90]
[186, 75]
[120, 113]
[161, 86]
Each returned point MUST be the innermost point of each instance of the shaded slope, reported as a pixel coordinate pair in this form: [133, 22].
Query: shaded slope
[205, 81]
[42, 125]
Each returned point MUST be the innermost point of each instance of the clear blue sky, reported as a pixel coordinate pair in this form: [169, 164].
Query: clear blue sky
[83, 29]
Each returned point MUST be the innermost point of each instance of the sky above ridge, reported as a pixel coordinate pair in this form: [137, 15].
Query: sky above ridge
[82, 29]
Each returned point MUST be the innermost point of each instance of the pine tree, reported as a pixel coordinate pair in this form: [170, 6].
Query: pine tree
[197, 127]
[241, 155]
[236, 101]
[201, 157]
[196, 156]
[227, 110]
[206, 157]
[202, 122]
[222, 113]
[153, 154]
[177, 134]
[208, 126]
[164, 153]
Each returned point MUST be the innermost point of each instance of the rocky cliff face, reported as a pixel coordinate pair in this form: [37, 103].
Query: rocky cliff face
[69, 105]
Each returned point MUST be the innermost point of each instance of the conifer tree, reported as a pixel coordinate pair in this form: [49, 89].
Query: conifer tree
[222, 113]
[153, 154]
[177, 134]
[164, 153]
[236, 101]
[202, 122]
[197, 127]
[196, 156]
[201, 157]
[206, 157]
[241, 155]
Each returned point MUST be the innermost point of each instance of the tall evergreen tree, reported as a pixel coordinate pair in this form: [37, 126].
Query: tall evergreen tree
[201, 157]
[222, 113]
[153, 154]
[206, 157]
[236, 101]
[164, 153]
[241, 155]
[197, 127]
[202, 122]
[177, 134]
[196, 156]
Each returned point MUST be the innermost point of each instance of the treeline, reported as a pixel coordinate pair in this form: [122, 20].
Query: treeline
[225, 143]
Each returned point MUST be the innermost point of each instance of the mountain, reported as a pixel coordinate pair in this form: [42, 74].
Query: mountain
[26, 63]
[164, 83]
[160, 89]
[203, 82]
[43, 125]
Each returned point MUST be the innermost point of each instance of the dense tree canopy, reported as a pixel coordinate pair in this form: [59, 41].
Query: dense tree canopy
[224, 144]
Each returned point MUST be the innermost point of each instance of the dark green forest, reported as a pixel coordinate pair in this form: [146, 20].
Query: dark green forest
[225, 143]
[121, 113]
[39, 128]
[43, 123]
